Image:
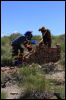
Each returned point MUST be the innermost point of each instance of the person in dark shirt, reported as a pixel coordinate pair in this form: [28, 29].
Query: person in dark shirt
[46, 35]
[16, 43]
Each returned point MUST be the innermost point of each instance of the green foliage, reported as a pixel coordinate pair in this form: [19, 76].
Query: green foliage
[5, 60]
[4, 40]
[54, 88]
[59, 40]
[30, 77]
[3, 51]
[3, 95]
[2, 77]
[36, 37]
[63, 46]
[62, 60]
[14, 36]
[60, 90]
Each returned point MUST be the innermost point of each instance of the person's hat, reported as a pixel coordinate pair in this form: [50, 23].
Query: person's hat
[28, 35]
[43, 28]
[28, 32]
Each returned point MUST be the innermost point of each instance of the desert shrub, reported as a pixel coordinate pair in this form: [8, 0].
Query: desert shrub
[56, 87]
[6, 61]
[61, 90]
[3, 51]
[4, 40]
[59, 40]
[31, 78]
[13, 36]
[62, 60]
[2, 77]
[63, 46]
[6, 58]
[36, 38]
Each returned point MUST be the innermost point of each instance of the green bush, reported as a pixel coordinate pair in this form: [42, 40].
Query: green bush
[13, 36]
[63, 47]
[4, 40]
[6, 61]
[36, 37]
[62, 60]
[61, 90]
[2, 77]
[31, 77]
[59, 40]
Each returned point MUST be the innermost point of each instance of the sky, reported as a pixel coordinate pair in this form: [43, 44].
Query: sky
[22, 16]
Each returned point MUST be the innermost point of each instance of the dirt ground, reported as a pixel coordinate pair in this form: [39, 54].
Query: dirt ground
[13, 91]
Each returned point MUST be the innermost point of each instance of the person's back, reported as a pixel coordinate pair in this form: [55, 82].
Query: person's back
[19, 40]
[16, 43]
[47, 38]
[18, 50]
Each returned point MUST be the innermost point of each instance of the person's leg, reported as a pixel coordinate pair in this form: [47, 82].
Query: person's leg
[21, 53]
[14, 50]
[21, 49]
[49, 43]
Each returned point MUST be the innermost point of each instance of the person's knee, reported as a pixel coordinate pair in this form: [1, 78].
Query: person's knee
[14, 51]
[49, 44]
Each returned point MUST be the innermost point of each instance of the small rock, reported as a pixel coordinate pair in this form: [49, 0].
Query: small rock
[14, 93]
[3, 85]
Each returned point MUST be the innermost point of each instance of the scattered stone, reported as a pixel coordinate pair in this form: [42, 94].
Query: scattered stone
[37, 95]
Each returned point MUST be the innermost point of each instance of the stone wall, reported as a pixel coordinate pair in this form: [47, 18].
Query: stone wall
[43, 54]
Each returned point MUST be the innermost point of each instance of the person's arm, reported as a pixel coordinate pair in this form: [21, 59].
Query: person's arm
[41, 42]
[28, 46]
